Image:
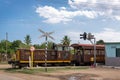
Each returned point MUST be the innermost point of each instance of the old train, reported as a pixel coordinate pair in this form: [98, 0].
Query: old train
[59, 55]
[84, 54]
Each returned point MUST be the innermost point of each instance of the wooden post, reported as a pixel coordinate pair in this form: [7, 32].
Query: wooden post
[32, 56]
[31, 59]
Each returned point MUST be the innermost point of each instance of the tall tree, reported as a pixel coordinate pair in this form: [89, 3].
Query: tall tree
[66, 40]
[5, 50]
[3, 46]
[100, 42]
[16, 44]
[27, 40]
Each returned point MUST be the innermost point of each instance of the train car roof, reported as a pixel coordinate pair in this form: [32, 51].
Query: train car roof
[86, 45]
[29, 49]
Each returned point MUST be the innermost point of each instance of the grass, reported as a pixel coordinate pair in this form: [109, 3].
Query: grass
[5, 62]
[76, 67]
[26, 71]
[42, 69]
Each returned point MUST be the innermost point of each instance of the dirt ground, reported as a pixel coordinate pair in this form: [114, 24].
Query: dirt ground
[98, 73]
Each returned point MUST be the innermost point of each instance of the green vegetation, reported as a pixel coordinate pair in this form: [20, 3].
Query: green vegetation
[27, 40]
[26, 71]
[100, 42]
[43, 45]
[8, 49]
[42, 70]
[66, 40]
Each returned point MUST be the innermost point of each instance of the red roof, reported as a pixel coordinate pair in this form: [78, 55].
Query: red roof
[86, 45]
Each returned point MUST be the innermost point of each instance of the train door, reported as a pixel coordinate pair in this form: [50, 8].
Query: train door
[81, 55]
[78, 56]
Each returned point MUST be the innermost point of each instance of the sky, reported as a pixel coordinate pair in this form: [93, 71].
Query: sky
[19, 18]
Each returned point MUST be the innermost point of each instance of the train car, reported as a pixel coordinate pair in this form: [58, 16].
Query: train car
[84, 54]
[59, 55]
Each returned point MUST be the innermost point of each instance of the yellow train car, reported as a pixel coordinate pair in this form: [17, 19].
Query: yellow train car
[59, 55]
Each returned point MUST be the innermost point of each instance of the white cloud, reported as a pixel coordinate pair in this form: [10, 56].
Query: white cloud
[53, 15]
[108, 35]
[88, 8]
[75, 37]
[110, 8]
[117, 17]
[94, 4]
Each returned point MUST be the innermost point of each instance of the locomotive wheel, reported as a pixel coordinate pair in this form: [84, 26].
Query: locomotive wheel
[13, 65]
[77, 64]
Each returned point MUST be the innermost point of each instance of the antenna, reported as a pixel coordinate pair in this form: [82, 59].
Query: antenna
[46, 35]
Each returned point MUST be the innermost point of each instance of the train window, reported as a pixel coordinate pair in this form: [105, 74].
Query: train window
[98, 52]
[59, 55]
[65, 55]
[117, 52]
[102, 52]
[53, 54]
[63, 48]
[60, 48]
[75, 51]
[55, 48]
[87, 52]
[66, 48]
[92, 51]
[27, 52]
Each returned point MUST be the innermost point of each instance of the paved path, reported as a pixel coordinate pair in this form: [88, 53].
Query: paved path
[8, 77]
[20, 76]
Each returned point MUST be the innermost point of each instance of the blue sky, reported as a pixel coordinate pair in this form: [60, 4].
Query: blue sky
[65, 17]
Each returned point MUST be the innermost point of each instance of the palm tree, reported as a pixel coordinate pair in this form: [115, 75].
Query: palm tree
[66, 40]
[27, 40]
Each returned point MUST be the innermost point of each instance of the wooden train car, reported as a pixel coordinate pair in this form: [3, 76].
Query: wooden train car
[84, 54]
[59, 55]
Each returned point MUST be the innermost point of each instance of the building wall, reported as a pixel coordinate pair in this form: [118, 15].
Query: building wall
[110, 57]
[112, 61]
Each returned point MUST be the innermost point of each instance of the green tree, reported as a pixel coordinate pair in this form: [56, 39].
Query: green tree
[2, 46]
[43, 45]
[37, 46]
[66, 40]
[16, 44]
[27, 40]
[100, 42]
[5, 45]
[5, 49]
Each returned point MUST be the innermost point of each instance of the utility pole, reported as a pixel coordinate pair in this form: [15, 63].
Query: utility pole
[46, 35]
[89, 37]
[6, 45]
[94, 51]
